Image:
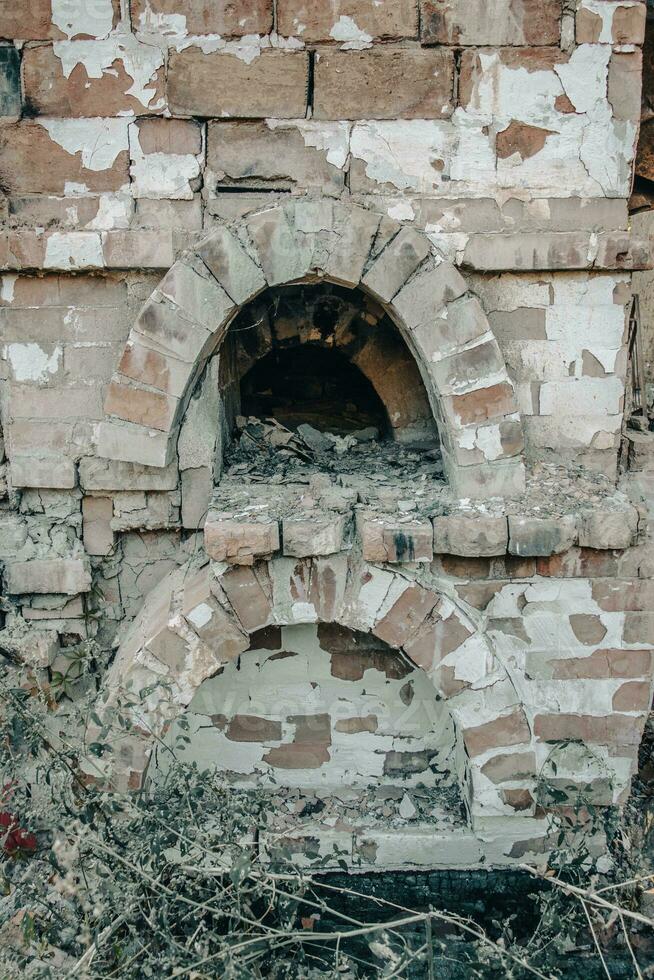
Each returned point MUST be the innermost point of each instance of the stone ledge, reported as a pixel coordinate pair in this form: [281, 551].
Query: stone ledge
[23, 250]
[249, 522]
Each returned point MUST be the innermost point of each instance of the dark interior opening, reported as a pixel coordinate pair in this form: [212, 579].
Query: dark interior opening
[315, 385]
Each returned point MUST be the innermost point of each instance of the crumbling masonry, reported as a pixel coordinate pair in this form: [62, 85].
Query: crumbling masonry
[425, 600]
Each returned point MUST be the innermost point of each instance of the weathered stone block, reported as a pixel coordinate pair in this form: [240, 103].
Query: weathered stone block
[471, 536]
[285, 254]
[105, 474]
[66, 576]
[238, 274]
[469, 365]
[354, 22]
[304, 537]
[384, 83]
[540, 536]
[179, 137]
[138, 248]
[274, 84]
[152, 409]
[197, 487]
[603, 664]
[166, 328]
[240, 542]
[407, 617]
[216, 628]
[385, 539]
[249, 597]
[45, 157]
[396, 263]
[603, 528]
[151, 367]
[97, 513]
[625, 72]
[476, 22]
[507, 767]
[52, 472]
[483, 404]
[57, 82]
[276, 155]
[10, 95]
[205, 16]
[135, 444]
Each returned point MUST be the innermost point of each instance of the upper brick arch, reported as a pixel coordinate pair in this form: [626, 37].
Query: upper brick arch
[305, 240]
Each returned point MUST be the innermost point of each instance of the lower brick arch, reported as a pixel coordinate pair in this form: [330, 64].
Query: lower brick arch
[200, 618]
[187, 317]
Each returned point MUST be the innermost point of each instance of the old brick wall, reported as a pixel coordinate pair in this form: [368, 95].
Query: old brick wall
[495, 145]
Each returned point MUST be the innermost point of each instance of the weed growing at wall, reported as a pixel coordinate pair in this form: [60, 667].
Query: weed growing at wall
[169, 882]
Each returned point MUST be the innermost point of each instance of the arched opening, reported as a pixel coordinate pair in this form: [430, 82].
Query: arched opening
[312, 385]
[327, 356]
[337, 728]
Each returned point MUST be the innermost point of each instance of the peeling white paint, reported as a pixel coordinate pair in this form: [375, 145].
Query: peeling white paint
[74, 250]
[584, 76]
[7, 287]
[247, 48]
[489, 441]
[99, 141]
[402, 211]
[159, 176]
[114, 211]
[94, 17]
[201, 615]
[140, 61]
[29, 362]
[332, 137]
[345, 29]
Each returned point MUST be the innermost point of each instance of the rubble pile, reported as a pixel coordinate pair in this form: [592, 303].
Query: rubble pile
[267, 450]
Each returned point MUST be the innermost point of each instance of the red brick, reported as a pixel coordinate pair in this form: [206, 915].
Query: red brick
[603, 664]
[274, 84]
[605, 729]
[50, 93]
[588, 629]
[519, 799]
[484, 404]
[435, 639]
[638, 627]
[406, 616]
[251, 728]
[32, 163]
[510, 729]
[630, 596]
[633, 696]
[229, 18]
[314, 21]
[580, 563]
[248, 597]
[514, 765]
[384, 83]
